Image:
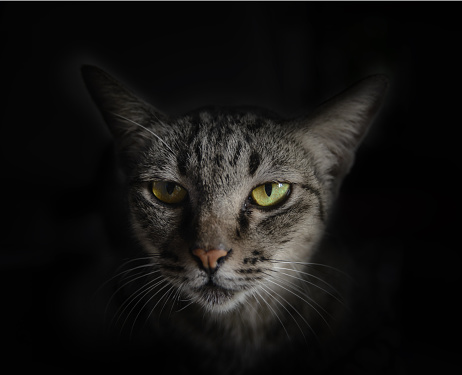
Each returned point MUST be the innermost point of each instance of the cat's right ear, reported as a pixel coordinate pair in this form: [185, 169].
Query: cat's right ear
[127, 116]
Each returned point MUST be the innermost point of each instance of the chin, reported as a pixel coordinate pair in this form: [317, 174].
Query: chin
[217, 300]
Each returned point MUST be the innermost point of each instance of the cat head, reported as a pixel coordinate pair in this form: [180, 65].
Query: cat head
[219, 197]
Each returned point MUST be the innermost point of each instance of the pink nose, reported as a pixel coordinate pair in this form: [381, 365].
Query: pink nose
[209, 258]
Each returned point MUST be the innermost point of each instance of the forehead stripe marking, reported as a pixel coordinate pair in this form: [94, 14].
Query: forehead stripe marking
[254, 162]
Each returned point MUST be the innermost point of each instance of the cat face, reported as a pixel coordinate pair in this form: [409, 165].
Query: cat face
[222, 200]
[246, 197]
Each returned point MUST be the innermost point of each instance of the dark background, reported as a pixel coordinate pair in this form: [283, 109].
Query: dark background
[60, 221]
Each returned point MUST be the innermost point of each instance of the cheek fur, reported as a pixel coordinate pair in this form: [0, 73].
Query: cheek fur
[283, 223]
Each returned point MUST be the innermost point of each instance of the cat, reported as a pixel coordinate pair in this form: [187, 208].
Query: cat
[230, 207]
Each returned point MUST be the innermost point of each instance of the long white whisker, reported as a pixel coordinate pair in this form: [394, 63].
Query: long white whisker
[138, 298]
[254, 308]
[133, 260]
[298, 288]
[124, 272]
[285, 308]
[147, 302]
[160, 299]
[184, 307]
[176, 297]
[295, 294]
[125, 284]
[311, 283]
[148, 130]
[305, 287]
[274, 312]
[304, 294]
[309, 264]
[166, 299]
[138, 294]
[307, 274]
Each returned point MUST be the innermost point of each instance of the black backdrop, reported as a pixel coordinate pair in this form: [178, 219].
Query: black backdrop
[59, 213]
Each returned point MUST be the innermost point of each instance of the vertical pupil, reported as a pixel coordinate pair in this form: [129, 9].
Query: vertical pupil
[268, 189]
[170, 187]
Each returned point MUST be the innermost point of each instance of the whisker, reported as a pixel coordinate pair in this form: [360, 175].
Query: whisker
[176, 297]
[254, 308]
[274, 312]
[171, 290]
[305, 287]
[133, 260]
[304, 293]
[309, 264]
[311, 283]
[184, 307]
[147, 302]
[138, 294]
[148, 130]
[160, 299]
[138, 298]
[295, 294]
[293, 285]
[125, 284]
[307, 274]
[124, 272]
[285, 308]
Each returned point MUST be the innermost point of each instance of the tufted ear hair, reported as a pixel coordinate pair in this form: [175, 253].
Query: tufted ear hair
[336, 128]
[129, 119]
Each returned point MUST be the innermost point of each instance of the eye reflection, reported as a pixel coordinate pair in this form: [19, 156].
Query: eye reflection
[270, 193]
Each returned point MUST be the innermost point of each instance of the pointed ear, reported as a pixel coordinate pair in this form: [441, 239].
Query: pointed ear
[128, 117]
[335, 130]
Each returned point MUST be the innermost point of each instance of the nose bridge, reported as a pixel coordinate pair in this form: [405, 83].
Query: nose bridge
[211, 245]
[210, 231]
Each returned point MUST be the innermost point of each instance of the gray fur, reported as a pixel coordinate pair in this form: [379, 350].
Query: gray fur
[266, 289]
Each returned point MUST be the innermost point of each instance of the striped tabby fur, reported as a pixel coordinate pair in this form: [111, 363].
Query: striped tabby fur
[280, 286]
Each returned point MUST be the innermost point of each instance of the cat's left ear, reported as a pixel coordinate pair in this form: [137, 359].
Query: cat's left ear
[334, 131]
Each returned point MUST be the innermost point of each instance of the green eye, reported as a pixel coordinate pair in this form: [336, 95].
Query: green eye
[168, 192]
[270, 193]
